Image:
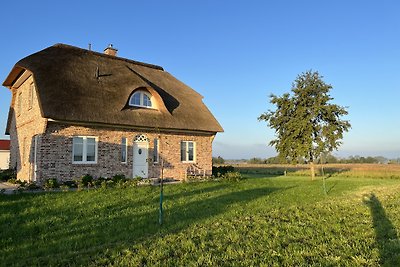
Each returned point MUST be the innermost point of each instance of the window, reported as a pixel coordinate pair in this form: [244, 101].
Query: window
[19, 103]
[155, 151]
[140, 99]
[23, 151]
[84, 149]
[31, 92]
[187, 151]
[123, 150]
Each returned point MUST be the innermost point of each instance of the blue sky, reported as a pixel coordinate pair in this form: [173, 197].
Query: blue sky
[236, 53]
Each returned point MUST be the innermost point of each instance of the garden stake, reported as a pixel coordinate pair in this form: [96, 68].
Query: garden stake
[160, 215]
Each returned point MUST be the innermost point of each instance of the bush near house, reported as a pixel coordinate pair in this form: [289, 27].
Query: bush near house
[218, 171]
[6, 175]
[51, 184]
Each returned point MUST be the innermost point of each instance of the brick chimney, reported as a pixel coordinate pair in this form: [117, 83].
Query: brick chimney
[110, 50]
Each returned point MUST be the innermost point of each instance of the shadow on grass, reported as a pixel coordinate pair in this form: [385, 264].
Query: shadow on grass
[386, 234]
[84, 227]
[191, 191]
[331, 187]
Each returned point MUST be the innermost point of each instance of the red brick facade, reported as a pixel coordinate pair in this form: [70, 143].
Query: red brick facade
[42, 149]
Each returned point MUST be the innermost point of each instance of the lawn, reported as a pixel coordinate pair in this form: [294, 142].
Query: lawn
[259, 221]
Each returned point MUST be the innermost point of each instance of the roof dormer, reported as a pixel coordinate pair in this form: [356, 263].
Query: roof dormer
[141, 98]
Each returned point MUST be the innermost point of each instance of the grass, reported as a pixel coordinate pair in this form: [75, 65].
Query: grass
[275, 221]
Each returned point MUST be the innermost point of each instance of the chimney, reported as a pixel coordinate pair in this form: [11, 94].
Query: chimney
[110, 50]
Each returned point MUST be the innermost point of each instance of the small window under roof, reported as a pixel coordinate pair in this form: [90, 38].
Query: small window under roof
[140, 98]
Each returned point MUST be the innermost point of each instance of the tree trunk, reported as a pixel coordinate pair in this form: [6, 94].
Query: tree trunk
[312, 169]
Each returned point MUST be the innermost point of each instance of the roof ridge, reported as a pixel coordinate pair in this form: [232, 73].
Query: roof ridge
[61, 45]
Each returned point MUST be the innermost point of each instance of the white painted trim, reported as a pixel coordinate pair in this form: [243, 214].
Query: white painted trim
[142, 94]
[187, 151]
[126, 150]
[147, 157]
[84, 150]
[158, 151]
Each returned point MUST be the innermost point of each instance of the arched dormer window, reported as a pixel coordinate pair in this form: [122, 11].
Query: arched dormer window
[140, 99]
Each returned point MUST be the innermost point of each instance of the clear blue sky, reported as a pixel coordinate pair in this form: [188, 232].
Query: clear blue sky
[236, 53]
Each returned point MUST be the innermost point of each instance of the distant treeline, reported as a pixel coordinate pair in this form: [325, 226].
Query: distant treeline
[327, 159]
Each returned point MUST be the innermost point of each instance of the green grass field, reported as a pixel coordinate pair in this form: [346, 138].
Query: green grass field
[260, 221]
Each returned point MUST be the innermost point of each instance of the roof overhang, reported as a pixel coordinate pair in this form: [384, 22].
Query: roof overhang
[16, 77]
[133, 127]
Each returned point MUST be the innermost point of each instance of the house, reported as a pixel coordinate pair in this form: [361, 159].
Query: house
[4, 154]
[75, 112]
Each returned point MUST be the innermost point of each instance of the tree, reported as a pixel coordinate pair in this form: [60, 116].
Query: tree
[256, 161]
[218, 160]
[306, 123]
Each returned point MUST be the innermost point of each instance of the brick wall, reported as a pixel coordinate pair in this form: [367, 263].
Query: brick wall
[26, 122]
[54, 146]
[55, 152]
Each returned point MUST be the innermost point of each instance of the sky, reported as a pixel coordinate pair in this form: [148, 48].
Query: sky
[235, 54]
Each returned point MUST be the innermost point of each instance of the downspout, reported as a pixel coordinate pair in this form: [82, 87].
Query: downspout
[35, 159]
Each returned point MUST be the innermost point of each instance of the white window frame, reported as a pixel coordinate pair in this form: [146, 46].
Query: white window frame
[142, 94]
[186, 159]
[84, 150]
[156, 150]
[126, 149]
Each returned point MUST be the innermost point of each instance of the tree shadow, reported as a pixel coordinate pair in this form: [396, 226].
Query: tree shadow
[188, 192]
[330, 188]
[386, 235]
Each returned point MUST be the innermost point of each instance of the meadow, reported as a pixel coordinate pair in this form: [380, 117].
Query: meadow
[360, 170]
[263, 220]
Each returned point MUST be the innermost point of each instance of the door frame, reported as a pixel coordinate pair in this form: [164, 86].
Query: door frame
[143, 142]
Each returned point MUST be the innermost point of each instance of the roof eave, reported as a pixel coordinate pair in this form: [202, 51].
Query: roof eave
[13, 76]
[161, 129]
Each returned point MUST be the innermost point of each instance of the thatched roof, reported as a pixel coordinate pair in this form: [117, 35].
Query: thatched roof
[79, 85]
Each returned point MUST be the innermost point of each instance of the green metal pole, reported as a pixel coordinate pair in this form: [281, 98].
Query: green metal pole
[160, 215]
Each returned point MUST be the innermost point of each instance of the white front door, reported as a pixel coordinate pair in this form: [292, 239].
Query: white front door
[140, 155]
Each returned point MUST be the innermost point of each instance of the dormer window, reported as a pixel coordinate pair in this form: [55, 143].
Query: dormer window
[140, 99]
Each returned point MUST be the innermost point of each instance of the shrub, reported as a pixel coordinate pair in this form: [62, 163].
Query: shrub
[6, 175]
[222, 170]
[21, 183]
[70, 184]
[51, 183]
[12, 181]
[232, 176]
[99, 181]
[87, 180]
[107, 183]
[118, 177]
[137, 179]
[64, 188]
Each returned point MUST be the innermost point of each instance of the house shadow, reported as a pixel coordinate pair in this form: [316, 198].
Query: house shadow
[385, 233]
[123, 224]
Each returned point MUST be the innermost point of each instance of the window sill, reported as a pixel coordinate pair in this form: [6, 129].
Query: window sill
[84, 163]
